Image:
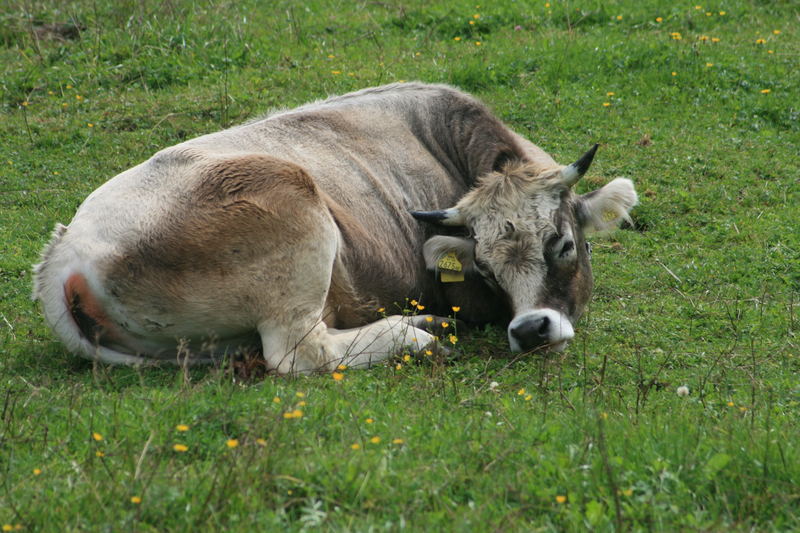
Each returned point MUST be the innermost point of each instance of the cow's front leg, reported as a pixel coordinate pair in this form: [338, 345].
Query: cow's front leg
[316, 348]
[364, 346]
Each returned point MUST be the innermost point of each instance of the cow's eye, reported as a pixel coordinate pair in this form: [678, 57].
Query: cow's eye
[566, 249]
[589, 248]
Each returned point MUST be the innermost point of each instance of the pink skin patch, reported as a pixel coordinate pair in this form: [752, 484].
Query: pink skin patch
[86, 310]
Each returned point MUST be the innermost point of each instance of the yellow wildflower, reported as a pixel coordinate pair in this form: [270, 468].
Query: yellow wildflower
[708, 13]
[561, 499]
[261, 442]
[69, 86]
[182, 427]
[659, 19]
[760, 41]
[698, 7]
[232, 443]
[429, 319]
[337, 376]
[428, 352]
[336, 72]
[381, 309]
[619, 17]
[25, 104]
[676, 35]
[406, 358]
[476, 16]
[471, 22]
[703, 38]
[715, 39]
[456, 38]
[180, 447]
[521, 392]
[90, 125]
[375, 440]
[453, 339]
[730, 404]
[78, 97]
[37, 471]
[300, 394]
[413, 303]
[420, 307]
[604, 415]
[97, 436]
[397, 441]
[528, 397]
[331, 56]
[547, 5]
[276, 400]
[776, 32]
[445, 324]
[627, 492]
[398, 366]
[99, 453]
[742, 408]
[136, 500]
[606, 104]
[369, 421]
[355, 446]
[341, 367]
[722, 13]
[8, 527]
[456, 308]
[477, 43]
[610, 93]
[674, 73]
[765, 91]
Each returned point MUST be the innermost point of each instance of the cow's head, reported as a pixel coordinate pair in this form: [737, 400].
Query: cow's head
[526, 240]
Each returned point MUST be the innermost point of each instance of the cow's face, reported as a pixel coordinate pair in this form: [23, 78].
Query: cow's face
[526, 240]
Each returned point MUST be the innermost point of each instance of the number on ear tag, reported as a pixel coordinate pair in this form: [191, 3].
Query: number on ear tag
[449, 261]
[450, 268]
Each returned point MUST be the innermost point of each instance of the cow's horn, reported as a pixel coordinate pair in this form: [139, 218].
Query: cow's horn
[445, 217]
[572, 173]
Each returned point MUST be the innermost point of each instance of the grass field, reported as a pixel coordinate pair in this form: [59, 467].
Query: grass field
[698, 104]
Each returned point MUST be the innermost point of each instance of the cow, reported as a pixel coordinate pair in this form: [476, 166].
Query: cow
[306, 234]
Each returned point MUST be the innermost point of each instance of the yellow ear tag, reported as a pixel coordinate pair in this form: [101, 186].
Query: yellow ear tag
[450, 268]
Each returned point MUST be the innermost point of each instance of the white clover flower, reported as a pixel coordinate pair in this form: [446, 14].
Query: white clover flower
[683, 390]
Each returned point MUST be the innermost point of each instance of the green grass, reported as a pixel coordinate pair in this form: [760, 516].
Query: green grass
[704, 291]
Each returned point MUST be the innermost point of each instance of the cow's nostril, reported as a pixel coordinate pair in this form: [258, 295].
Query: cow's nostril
[544, 327]
[533, 332]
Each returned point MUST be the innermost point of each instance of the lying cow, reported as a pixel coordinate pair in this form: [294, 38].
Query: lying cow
[289, 233]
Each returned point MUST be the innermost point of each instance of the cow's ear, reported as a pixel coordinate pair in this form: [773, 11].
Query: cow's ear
[439, 247]
[608, 206]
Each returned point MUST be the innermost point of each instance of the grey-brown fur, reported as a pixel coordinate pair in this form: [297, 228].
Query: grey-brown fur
[295, 228]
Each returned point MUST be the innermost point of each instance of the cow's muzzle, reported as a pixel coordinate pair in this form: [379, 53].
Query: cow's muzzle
[545, 329]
